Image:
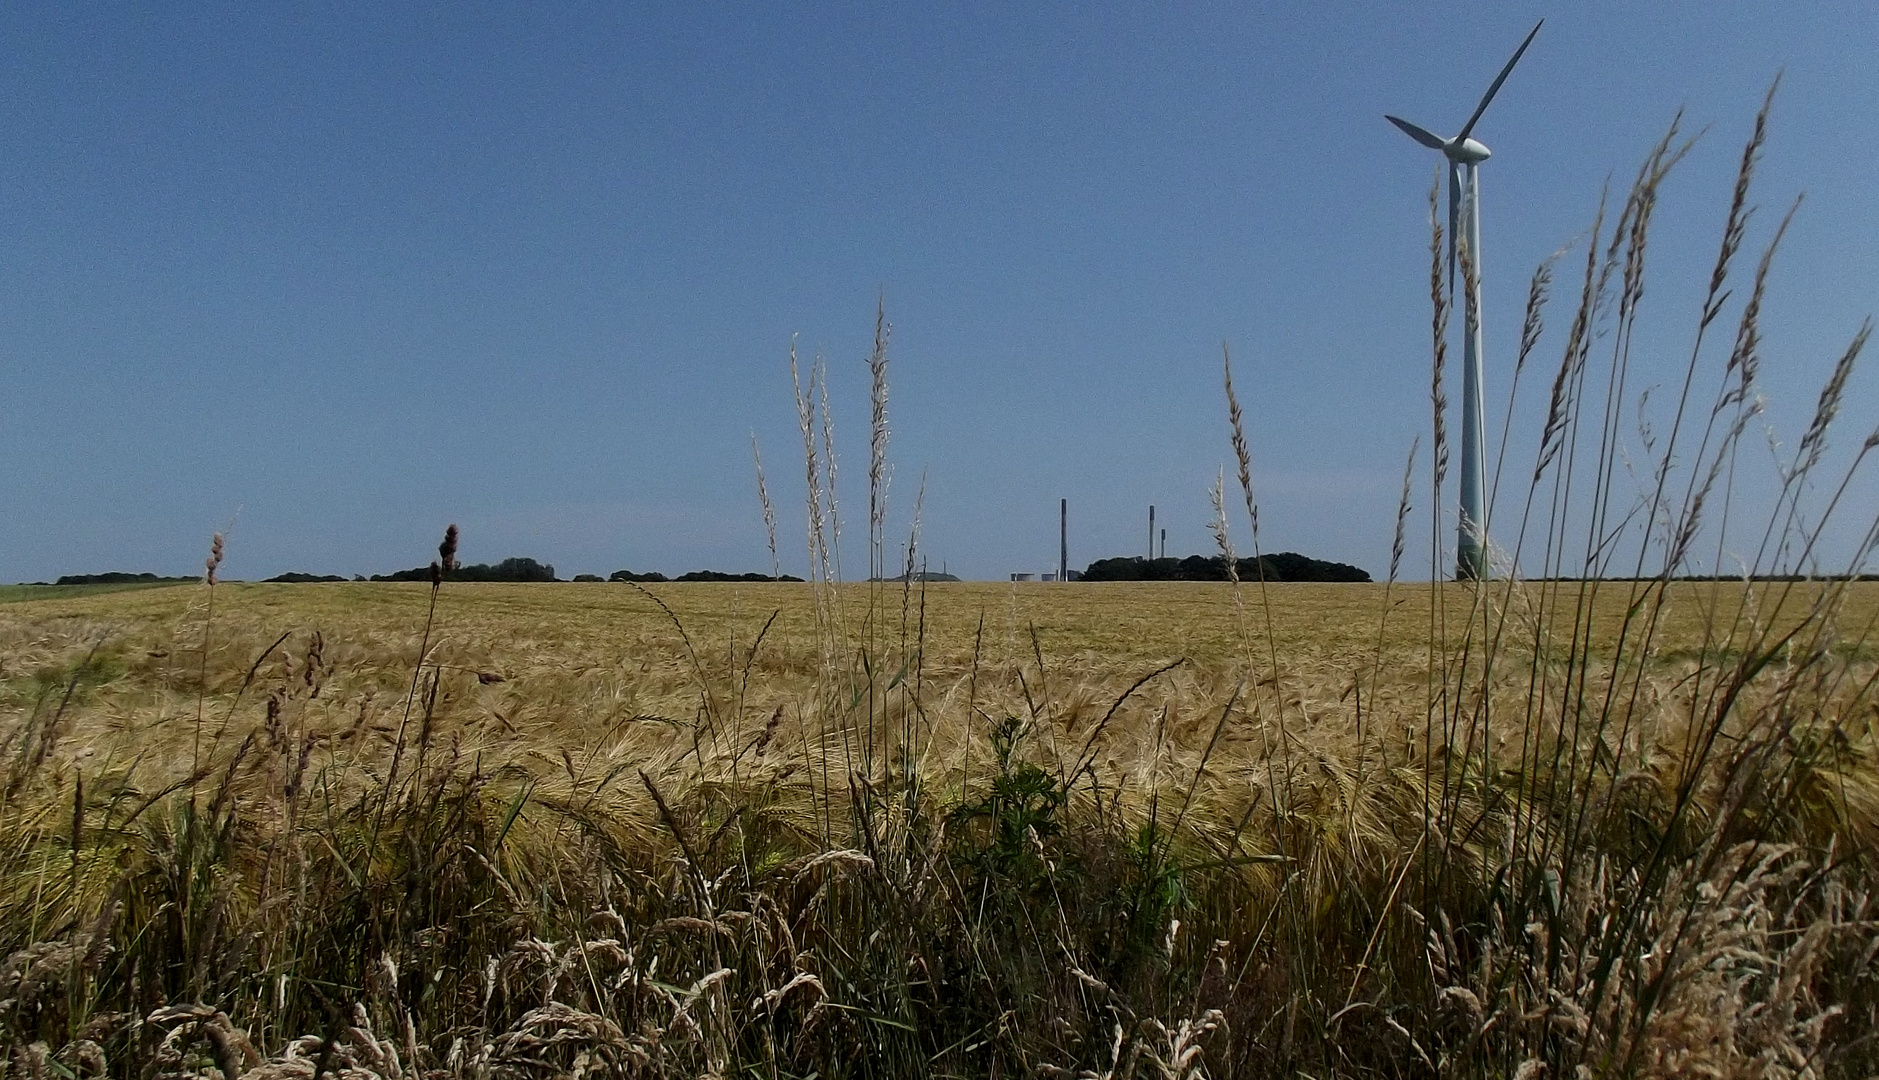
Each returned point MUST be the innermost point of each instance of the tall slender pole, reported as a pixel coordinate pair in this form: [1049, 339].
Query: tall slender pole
[1164, 543]
[1151, 532]
[1063, 540]
[1471, 542]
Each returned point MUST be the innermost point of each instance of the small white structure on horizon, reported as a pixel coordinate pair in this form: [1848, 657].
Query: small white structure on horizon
[1024, 577]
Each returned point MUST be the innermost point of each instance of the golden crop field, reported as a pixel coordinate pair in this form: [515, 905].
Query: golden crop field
[552, 640]
[334, 792]
[572, 665]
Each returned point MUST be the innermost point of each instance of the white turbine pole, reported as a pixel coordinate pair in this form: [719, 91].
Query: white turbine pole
[1471, 561]
[1465, 156]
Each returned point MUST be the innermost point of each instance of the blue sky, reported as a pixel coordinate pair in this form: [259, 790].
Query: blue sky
[345, 273]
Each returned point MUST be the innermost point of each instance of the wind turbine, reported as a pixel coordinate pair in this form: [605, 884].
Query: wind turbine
[1464, 158]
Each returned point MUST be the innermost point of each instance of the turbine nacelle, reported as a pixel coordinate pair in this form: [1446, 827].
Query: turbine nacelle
[1466, 151]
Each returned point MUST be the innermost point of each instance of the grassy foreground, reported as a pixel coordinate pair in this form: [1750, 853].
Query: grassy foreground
[972, 830]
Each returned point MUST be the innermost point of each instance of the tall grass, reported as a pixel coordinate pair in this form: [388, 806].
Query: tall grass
[1564, 842]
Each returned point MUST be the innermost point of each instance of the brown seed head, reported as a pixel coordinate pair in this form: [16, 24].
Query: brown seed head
[447, 551]
[215, 558]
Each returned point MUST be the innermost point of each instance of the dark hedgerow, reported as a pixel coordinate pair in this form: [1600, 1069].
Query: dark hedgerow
[1282, 566]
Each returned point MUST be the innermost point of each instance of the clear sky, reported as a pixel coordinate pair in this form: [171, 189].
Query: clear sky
[343, 273]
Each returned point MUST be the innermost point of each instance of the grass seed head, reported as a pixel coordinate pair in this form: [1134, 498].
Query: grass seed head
[447, 551]
[214, 561]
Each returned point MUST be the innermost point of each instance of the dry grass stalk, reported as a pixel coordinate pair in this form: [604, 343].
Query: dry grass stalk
[769, 510]
[877, 440]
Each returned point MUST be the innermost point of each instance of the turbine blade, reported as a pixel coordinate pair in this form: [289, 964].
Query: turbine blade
[1454, 222]
[1498, 80]
[1426, 138]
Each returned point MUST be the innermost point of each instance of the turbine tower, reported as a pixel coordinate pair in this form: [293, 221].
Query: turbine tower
[1465, 156]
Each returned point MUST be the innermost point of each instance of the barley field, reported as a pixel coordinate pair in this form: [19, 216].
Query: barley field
[1156, 829]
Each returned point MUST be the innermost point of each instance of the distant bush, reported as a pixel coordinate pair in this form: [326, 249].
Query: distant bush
[588, 577]
[118, 578]
[295, 577]
[1282, 566]
[514, 569]
[695, 575]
